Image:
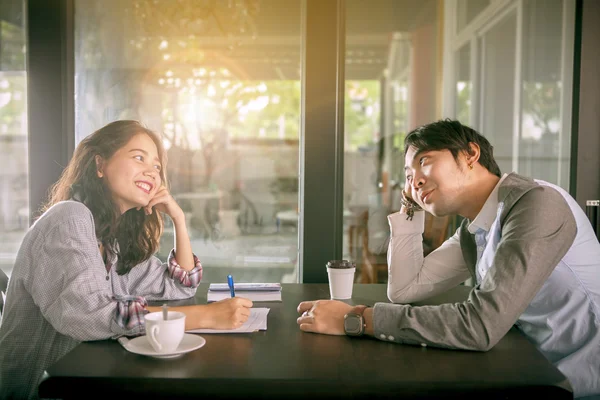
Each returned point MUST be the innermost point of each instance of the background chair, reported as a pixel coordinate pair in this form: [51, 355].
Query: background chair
[374, 255]
[374, 261]
[435, 233]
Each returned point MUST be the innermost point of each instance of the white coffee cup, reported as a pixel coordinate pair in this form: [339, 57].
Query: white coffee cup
[341, 278]
[165, 335]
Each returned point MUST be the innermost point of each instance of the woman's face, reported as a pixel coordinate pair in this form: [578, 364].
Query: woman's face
[132, 174]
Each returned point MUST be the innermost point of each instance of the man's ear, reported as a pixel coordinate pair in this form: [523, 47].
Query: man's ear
[473, 154]
[99, 166]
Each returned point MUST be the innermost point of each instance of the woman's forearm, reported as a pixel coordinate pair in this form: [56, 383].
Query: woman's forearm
[183, 247]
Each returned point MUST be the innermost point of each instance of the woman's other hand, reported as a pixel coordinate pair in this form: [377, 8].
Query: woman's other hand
[164, 202]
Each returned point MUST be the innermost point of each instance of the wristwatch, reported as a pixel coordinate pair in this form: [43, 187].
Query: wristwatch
[354, 322]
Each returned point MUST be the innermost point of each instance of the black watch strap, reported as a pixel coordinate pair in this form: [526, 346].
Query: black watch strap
[360, 310]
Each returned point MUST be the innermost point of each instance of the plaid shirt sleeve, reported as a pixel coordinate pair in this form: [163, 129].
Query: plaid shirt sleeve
[130, 312]
[190, 278]
[131, 309]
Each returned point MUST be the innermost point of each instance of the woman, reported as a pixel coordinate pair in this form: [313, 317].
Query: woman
[86, 269]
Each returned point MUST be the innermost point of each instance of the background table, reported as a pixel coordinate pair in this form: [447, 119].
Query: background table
[284, 362]
[204, 206]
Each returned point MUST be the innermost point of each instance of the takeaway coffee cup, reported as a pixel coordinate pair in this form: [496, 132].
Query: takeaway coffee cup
[165, 335]
[341, 278]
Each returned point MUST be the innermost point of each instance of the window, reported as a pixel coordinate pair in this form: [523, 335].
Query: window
[512, 82]
[391, 88]
[14, 205]
[220, 81]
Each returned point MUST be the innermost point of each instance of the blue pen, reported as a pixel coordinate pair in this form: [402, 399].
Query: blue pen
[231, 287]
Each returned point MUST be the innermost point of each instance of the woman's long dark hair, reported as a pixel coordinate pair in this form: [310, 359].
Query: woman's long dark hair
[134, 236]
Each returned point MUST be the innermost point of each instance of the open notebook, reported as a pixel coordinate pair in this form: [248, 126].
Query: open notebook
[254, 287]
[251, 291]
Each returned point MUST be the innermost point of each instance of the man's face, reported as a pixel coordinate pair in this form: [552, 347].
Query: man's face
[437, 181]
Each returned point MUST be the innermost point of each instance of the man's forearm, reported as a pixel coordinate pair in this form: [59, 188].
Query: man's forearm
[413, 277]
[405, 252]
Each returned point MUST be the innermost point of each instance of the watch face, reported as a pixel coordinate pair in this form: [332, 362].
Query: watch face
[353, 324]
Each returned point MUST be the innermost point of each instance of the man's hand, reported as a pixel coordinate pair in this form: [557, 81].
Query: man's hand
[409, 193]
[409, 205]
[323, 316]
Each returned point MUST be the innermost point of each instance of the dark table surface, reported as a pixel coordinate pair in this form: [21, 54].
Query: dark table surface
[284, 362]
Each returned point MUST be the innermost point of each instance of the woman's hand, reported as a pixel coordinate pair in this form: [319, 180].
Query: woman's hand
[229, 313]
[164, 202]
[323, 316]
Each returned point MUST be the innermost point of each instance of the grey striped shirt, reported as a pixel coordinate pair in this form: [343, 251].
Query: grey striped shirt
[58, 295]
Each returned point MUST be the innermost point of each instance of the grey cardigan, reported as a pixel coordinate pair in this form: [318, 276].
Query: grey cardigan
[522, 264]
[543, 276]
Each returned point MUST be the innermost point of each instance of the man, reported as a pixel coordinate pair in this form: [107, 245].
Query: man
[527, 245]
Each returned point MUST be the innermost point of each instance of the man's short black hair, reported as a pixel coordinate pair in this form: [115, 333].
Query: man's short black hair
[451, 135]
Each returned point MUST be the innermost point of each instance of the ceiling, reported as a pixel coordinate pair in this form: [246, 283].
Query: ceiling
[275, 52]
[272, 51]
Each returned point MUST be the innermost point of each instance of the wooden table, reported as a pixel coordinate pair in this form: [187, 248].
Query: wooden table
[283, 362]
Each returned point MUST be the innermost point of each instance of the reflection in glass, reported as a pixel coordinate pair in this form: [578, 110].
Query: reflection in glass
[498, 80]
[530, 127]
[220, 80]
[541, 149]
[464, 85]
[14, 177]
[390, 89]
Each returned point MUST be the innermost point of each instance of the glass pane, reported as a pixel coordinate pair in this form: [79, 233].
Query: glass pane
[464, 85]
[220, 80]
[543, 148]
[467, 10]
[498, 77]
[391, 75]
[14, 181]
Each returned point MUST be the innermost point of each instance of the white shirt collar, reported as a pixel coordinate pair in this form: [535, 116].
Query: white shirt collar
[487, 215]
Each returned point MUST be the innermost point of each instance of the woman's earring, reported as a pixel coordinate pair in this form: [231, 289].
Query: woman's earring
[470, 166]
[100, 174]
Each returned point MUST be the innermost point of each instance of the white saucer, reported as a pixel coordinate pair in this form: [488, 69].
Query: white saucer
[140, 345]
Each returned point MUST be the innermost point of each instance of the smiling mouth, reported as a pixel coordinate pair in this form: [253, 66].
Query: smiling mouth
[426, 196]
[145, 186]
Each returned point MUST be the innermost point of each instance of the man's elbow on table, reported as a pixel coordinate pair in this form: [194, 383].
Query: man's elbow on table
[406, 295]
[482, 336]
[450, 325]
[479, 340]
[486, 344]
